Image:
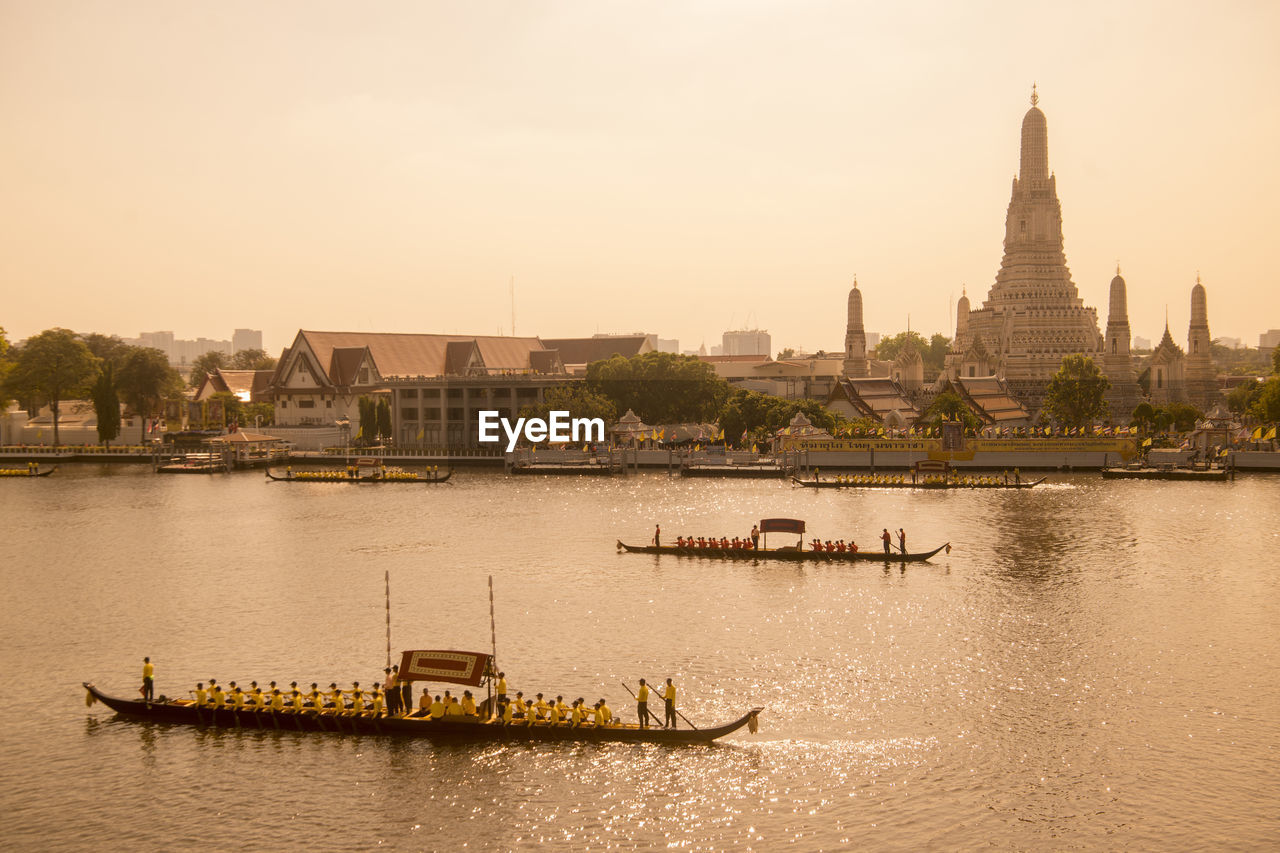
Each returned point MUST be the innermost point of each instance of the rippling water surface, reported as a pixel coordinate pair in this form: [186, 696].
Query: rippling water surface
[1093, 666]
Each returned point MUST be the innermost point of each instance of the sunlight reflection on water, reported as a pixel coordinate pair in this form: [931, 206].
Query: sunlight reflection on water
[1086, 668]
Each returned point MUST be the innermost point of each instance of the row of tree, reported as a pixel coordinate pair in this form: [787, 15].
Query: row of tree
[1259, 400]
[58, 365]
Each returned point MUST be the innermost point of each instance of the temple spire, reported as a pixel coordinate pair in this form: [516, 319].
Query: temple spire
[1035, 97]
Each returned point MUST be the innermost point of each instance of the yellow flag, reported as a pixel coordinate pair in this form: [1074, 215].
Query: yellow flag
[755, 449]
[1271, 434]
[584, 449]
[421, 433]
[1146, 443]
[720, 437]
[1257, 434]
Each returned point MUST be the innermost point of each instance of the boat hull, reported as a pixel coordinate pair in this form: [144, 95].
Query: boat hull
[1212, 475]
[364, 478]
[447, 730]
[18, 473]
[789, 554]
[744, 471]
[834, 484]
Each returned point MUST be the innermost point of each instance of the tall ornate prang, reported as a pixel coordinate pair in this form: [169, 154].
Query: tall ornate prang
[1201, 378]
[1033, 315]
[1117, 363]
[855, 338]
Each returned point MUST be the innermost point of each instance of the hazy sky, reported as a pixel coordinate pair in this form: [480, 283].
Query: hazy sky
[678, 168]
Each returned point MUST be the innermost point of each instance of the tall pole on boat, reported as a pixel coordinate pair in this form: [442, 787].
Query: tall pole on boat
[493, 637]
[388, 579]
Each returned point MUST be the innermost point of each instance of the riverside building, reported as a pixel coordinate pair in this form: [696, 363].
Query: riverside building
[437, 385]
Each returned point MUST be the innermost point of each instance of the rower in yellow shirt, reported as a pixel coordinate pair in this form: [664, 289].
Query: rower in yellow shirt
[277, 700]
[576, 715]
[437, 709]
[357, 698]
[424, 703]
[217, 695]
[508, 714]
[454, 708]
[375, 704]
[606, 713]
[669, 700]
[259, 700]
[468, 704]
[553, 716]
[540, 707]
[202, 696]
[315, 697]
[299, 701]
[237, 699]
[335, 696]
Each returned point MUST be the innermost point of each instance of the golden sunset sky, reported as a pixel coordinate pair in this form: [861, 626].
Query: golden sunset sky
[678, 168]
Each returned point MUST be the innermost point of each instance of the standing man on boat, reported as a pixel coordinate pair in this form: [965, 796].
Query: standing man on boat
[886, 539]
[392, 690]
[148, 680]
[669, 700]
[406, 690]
[657, 535]
[642, 704]
[902, 540]
[755, 546]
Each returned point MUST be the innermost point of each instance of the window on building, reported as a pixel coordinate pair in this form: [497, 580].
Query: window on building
[284, 404]
[364, 376]
[972, 371]
[306, 404]
[328, 404]
[1159, 378]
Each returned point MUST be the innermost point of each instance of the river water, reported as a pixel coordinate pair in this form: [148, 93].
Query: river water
[1095, 664]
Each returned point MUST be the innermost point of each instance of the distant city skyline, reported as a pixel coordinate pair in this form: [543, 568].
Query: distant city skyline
[681, 169]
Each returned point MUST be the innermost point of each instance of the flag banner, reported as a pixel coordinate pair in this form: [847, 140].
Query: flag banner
[781, 525]
[447, 666]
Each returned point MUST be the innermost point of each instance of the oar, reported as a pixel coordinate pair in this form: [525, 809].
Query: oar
[677, 710]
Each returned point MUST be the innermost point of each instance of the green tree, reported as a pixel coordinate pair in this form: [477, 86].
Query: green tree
[252, 359]
[759, 416]
[949, 406]
[229, 406]
[368, 421]
[107, 348]
[1243, 396]
[106, 404]
[383, 415]
[206, 364]
[1076, 393]
[933, 351]
[1267, 407]
[53, 366]
[1144, 417]
[788, 352]
[1275, 361]
[576, 399]
[6, 364]
[660, 387]
[146, 380]
[258, 414]
[1182, 416]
